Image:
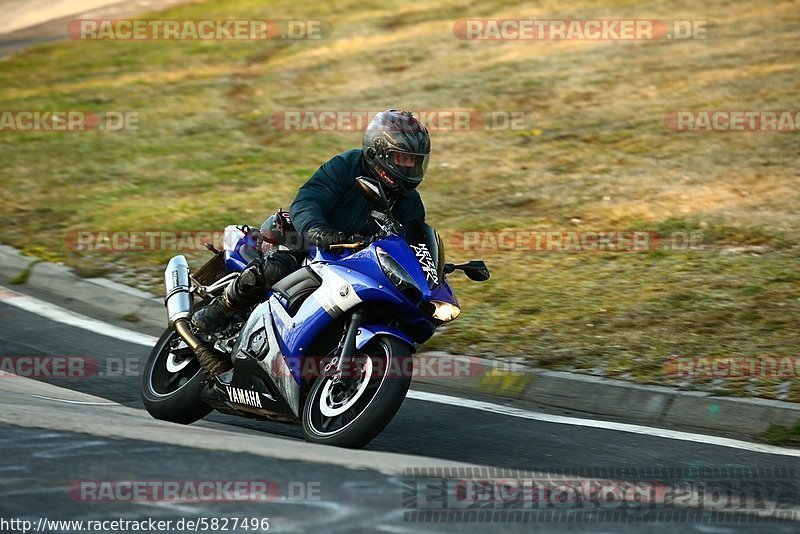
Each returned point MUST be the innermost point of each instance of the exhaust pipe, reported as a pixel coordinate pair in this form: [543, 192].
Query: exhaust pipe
[178, 301]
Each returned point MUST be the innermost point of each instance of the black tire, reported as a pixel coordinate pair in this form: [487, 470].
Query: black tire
[374, 408]
[179, 402]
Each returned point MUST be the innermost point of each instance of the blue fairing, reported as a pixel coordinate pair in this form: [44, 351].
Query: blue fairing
[242, 254]
[367, 332]
[349, 280]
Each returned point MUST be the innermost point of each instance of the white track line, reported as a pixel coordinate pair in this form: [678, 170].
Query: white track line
[604, 425]
[58, 314]
[75, 402]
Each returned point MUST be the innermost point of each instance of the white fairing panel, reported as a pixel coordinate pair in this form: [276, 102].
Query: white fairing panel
[335, 295]
[231, 237]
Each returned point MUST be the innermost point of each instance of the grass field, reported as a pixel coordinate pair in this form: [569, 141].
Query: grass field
[597, 156]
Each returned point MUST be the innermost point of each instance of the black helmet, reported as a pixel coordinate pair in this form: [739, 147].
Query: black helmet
[396, 149]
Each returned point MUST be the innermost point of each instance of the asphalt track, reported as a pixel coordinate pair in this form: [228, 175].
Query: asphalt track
[49, 445]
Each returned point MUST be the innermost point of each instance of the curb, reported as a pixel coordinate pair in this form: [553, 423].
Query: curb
[655, 405]
[99, 294]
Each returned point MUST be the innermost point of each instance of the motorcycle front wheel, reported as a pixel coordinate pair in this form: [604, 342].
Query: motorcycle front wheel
[351, 410]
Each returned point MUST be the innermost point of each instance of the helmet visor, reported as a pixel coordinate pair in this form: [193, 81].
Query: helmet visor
[408, 165]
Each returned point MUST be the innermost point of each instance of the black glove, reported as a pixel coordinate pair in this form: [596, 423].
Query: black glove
[325, 236]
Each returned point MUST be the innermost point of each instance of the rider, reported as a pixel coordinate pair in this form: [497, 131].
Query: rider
[330, 210]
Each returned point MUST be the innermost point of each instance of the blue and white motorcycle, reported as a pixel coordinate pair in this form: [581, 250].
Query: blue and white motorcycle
[329, 348]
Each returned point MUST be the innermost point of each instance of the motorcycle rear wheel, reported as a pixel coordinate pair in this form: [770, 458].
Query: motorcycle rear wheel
[172, 382]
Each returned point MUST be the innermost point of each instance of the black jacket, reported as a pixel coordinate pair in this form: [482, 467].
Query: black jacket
[330, 197]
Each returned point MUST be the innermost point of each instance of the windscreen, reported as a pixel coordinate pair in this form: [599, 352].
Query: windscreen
[428, 248]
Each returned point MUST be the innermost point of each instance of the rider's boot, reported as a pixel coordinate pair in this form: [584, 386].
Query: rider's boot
[247, 289]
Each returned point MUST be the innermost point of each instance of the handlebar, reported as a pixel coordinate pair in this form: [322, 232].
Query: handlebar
[359, 244]
[347, 245]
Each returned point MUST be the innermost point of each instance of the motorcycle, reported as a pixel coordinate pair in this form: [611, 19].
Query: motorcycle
[330, 346]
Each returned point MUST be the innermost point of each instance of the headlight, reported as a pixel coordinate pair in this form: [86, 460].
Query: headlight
[444, 311]
[399, 276]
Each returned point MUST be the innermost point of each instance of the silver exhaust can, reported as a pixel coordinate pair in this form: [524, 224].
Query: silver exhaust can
[178, 299]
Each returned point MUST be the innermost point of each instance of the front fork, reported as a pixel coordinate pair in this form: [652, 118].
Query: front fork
[348, 346]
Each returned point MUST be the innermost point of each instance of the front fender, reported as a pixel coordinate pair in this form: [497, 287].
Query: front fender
[367, 332]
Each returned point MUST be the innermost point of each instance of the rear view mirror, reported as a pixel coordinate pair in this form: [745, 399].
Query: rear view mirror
[373, 192]
[475, 270]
